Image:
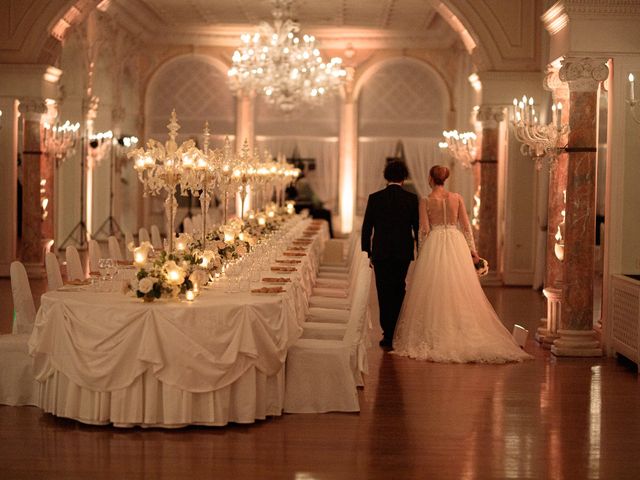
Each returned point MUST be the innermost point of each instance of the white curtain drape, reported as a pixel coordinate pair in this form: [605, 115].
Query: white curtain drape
[420, 153]
[372, 153]
[324, 179]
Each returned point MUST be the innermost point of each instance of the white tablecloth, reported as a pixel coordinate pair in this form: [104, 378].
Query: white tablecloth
[110, 358]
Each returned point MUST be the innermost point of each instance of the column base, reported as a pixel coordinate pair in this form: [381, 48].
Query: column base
[35, 270]
[576, 343]
[491, 279]
[545, 337]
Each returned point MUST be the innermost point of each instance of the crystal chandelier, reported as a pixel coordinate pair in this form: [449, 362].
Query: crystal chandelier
[285, 68]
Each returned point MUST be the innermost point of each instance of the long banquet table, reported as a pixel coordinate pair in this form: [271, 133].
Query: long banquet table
[107, 358]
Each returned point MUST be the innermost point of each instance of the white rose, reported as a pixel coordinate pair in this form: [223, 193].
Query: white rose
[146, 285]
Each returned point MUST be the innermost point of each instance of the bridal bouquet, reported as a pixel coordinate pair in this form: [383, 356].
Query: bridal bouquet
[482, 267]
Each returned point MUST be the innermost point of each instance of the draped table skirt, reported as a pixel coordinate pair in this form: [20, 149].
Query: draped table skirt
[107, 358]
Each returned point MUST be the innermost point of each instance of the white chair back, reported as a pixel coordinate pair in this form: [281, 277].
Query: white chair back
[114, 249]
[54, 277]
[95, 254]
[143, 235]
[156, 239]
[74, 265]
[128, 240]
[188, 225]
[360, 303]
[22, 299]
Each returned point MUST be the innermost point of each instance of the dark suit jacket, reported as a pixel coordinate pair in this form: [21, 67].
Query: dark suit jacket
[392, 218]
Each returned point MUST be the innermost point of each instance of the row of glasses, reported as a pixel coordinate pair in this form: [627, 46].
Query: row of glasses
[108, 269]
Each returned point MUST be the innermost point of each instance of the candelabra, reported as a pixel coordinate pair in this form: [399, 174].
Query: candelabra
[244, 174]
[538, 141]
[461, 146]
[60, 140]
[201, 177]
[161, 168]
[632, 102]
[226, 178]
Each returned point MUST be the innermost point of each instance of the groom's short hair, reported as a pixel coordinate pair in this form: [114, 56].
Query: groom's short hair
[396, 171]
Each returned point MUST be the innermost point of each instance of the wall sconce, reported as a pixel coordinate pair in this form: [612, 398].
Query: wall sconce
[44, 200]
[60, 140]
[632, 102]
[538, 141]
[558, 247]
[461, 146]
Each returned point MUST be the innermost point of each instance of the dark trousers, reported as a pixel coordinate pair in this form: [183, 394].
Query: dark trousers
[390, 282]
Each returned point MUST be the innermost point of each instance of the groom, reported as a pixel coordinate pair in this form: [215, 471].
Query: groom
[391, 218]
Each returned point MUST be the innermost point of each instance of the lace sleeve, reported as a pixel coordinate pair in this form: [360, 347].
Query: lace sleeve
[465, 226]
[424, 220]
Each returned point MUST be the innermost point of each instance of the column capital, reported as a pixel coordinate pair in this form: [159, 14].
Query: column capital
[583, 74]
[490, 115]
[552, 83]
[32, 108]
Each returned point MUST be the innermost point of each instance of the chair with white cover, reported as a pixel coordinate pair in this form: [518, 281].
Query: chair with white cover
[54, 277]
[74, 265]
[23, 305]
[128, 241]
[331, 323]
[95, 254]
[114, 249]
[156, 239]
[187, 224]
[143, 235]
[338, 297]
[323, 375]
[17, 383]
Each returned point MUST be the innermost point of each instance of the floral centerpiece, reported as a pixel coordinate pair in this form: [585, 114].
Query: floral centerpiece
[169, 275]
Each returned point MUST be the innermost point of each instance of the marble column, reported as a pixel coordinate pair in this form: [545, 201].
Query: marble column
[490, 117]
[8, 183]
[577, 337]
[35, 231]
[548, 332]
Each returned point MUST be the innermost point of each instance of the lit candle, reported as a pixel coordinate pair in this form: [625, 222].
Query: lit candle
[181, 244]
[559, 114]
[140, 256]
[173, 275]
[190, 295]
[554, 117]
[632, 87]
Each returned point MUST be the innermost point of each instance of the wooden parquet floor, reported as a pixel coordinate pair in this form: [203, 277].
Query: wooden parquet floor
[548, 418]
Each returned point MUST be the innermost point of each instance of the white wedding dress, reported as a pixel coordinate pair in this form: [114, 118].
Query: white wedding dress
[446, 316]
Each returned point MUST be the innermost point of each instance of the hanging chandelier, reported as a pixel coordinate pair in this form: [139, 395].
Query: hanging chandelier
[282, 66]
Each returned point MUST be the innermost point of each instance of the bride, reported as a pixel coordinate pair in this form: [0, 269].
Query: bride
[445, 316]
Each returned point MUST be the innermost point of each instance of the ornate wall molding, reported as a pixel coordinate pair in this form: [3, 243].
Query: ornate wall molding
[583, 74]
[600, 7]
